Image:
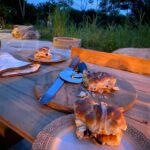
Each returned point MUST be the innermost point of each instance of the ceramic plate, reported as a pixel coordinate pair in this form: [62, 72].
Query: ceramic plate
[55, 58]
[60, 135]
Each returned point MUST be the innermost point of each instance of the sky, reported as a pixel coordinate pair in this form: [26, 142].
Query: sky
[36, 1]
[76, 5]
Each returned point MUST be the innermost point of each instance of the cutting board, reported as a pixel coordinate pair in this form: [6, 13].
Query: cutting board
[65, 98]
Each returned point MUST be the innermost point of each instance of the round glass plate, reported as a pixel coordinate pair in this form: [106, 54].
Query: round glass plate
[55, 58]
[60, 135]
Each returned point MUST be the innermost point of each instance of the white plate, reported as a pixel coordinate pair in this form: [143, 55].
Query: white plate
[60, 135]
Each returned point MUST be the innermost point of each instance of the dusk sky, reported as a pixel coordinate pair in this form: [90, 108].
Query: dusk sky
[76, 5]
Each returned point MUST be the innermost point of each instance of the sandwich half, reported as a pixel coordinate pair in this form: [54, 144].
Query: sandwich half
[100, 123]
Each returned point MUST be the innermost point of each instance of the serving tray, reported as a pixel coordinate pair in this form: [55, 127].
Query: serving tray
[65, 98]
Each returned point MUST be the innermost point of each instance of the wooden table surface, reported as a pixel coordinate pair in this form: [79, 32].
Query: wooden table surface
[20, 110]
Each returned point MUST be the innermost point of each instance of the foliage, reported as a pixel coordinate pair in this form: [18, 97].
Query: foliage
[107, 38]
[109, 11]
[59, 23]
[10, 10]
[2, 23]
[103, 29]
[137, 10]
[43, 11]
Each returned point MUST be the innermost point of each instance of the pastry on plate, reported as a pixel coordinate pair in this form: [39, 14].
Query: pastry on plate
[99, 82]
[100, 123]
[43, 54]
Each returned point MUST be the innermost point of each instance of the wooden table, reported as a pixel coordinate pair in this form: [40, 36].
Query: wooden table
[20, 111]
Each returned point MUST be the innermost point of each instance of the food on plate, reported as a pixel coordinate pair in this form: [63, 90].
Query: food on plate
[21, 71]
[43, 54]
[99, 82]
[100, 123]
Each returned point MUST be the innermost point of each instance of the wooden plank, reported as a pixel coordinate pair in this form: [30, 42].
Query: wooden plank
[127, 63]
[140, 113]
[140, 82]
[142, 97]
[2, 129]
[143, 128]
[127, 75]
[22, 113]
[17, 130]
[28, 116]
[65, 98]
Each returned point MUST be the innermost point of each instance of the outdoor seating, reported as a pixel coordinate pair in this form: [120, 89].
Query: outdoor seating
[117, 61]
[136, 52]
[74, 75]
[24, 104]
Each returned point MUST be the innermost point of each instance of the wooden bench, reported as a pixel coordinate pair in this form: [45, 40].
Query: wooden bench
[117, 61]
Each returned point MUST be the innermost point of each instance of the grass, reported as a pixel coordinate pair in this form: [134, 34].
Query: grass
[104, 39]
[107, 38]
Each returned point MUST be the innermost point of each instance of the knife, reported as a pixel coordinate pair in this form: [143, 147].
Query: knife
[51, 92]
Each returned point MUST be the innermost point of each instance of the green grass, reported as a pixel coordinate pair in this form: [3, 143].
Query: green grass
[107, 38]
[45, 33]
[104, 39]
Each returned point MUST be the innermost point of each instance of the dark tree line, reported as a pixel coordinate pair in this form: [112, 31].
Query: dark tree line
[17, 11]
[136, 10]
[108, 12]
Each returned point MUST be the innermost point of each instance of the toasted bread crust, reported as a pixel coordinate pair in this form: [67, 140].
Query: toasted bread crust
[105, 123]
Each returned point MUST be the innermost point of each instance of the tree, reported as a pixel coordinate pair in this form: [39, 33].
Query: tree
[22, 4]
[17, 11]
[137, 10]
[65, 4]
